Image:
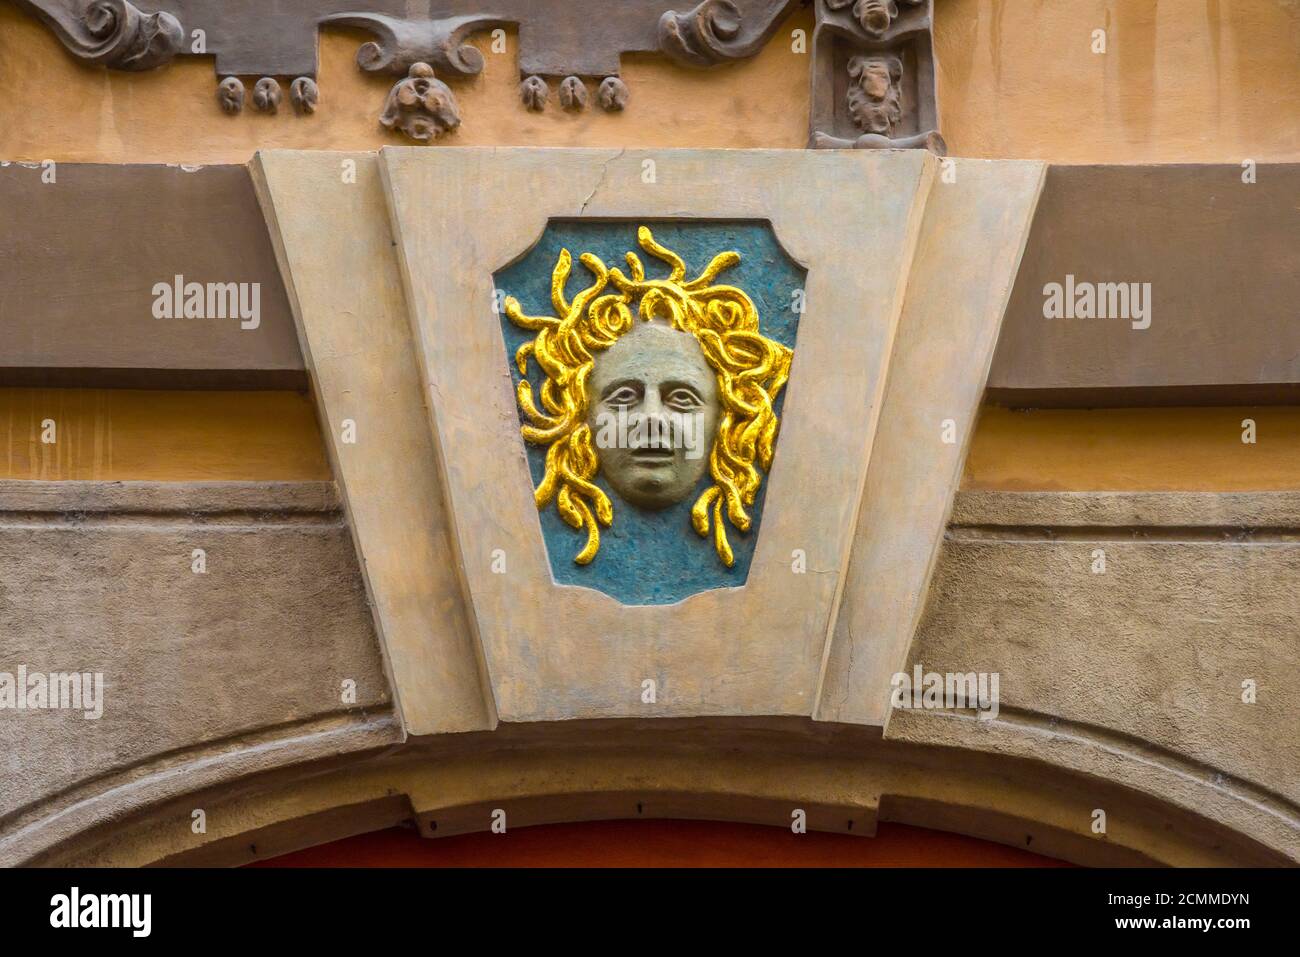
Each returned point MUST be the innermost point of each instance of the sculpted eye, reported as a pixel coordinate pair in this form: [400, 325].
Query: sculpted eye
[683, 399]
[623, 395]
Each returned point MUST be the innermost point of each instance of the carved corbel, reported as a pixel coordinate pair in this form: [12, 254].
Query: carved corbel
[111, 33]
[230, 95]
[267, 95]
[573, 94]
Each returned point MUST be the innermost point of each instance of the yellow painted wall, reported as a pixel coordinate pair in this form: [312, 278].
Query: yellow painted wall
[1181, 81]
[1149, 450]
[122, 434]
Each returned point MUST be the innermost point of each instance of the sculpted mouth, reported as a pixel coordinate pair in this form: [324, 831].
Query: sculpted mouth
[650, 456]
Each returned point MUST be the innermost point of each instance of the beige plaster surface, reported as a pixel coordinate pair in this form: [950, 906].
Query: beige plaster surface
[564, 652]
[976, 224]
[98, 578]
[1120, 691]
[330, 230]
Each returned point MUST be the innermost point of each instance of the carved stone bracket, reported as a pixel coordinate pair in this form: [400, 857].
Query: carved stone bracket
[874, 76]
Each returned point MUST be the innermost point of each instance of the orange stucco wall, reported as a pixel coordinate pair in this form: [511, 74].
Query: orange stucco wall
[124, 434]
[1135, 450]
[1181, 80]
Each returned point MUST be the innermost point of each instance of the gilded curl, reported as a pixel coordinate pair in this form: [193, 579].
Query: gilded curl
[751, 370]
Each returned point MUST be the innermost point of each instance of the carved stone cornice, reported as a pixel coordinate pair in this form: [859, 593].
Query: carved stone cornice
[562, 43]
[872, 60]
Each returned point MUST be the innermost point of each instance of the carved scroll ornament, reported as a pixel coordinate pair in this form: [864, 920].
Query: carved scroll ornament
[400, 44]
[111, 33]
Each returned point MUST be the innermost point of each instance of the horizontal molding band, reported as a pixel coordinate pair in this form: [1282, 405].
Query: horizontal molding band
[20, 499]
[1214, 515]
[1209, 245]
[1236, 394]
[216, 380]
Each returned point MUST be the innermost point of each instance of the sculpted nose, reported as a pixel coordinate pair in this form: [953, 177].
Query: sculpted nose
[655, 415]
[653, 407]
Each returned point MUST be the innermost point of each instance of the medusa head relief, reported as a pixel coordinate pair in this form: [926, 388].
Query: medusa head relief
[652, 384]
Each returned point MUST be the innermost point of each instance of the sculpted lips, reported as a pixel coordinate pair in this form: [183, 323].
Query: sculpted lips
[653, 456]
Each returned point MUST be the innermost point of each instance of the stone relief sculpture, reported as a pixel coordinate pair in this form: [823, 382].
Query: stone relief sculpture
[267, 95]
[874, 76]
[534, 92]
[875, 98]
[874, 16]
[617, 383]
[421, 106]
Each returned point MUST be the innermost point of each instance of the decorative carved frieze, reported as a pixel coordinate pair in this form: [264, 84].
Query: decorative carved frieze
[874, 76]
[872, 60]
[560, 41]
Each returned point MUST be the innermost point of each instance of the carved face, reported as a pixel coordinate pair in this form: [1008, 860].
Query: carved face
[875, 15]
[875, 101]
[654, 412]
